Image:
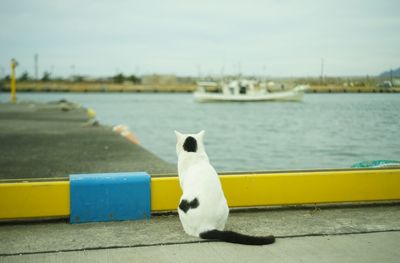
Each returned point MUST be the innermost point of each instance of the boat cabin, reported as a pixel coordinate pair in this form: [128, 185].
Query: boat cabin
[241, 87]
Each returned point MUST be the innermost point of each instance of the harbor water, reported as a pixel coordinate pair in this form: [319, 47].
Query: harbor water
[322, 131]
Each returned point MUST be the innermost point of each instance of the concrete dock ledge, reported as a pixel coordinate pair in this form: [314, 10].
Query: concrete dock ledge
[48, 140]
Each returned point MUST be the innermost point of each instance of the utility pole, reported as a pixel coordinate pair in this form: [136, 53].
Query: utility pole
[52, 72]
[198, 71]
[72, 72]
[322, 70]
[264, 73]
[222, 72]
[36, 60]
[391, 76]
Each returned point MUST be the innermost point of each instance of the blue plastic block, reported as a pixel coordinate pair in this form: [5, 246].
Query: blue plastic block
[109, 197]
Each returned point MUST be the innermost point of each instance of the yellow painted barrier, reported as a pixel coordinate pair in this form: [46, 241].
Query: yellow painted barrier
[51, 199]
[312, 187]
[34, 200]
[165, 193]
[288, 188]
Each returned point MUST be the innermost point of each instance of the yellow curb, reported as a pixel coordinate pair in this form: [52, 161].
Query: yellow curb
[34, 200]
[51, 199]
[289, 188]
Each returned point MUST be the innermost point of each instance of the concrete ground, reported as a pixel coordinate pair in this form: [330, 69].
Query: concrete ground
[375, 247]
[305, 234]
[57, 139]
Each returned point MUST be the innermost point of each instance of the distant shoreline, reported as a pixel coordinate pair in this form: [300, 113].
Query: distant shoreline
[170, 88]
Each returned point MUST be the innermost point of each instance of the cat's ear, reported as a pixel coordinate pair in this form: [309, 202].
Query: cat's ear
[178, 135]
[201, 134]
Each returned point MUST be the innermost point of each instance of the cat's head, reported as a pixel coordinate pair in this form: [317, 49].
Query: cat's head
[189, 142]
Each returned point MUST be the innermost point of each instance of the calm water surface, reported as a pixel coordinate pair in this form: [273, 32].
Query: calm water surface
[322, 131]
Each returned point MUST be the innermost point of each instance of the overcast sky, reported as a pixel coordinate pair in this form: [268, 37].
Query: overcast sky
[187, 37]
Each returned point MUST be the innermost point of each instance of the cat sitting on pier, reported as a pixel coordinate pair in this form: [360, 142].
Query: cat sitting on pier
[203, 209]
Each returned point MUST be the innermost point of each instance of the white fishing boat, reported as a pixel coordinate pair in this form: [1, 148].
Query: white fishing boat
[245, 90]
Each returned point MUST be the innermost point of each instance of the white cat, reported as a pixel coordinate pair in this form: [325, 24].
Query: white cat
[203, 209]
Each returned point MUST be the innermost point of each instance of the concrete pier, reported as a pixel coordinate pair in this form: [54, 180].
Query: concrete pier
[57, 139]
[54, 140]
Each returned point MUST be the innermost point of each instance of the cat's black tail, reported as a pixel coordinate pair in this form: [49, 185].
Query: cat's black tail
[233, 237]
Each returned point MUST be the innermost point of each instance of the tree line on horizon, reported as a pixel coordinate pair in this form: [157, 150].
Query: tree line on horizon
[120, 78]
[46, 77]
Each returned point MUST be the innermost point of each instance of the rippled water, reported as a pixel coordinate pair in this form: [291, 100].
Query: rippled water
[322, 131]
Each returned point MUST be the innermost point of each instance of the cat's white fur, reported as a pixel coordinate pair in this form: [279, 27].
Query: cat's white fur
[198, 179]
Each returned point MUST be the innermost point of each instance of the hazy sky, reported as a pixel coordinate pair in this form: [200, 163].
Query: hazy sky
[275, 38]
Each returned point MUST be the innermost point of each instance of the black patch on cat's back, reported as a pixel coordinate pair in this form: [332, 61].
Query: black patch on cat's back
[194, 204]
[185, 205]
[190, 144]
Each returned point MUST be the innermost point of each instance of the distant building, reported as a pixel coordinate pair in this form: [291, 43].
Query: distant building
[159, 79]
